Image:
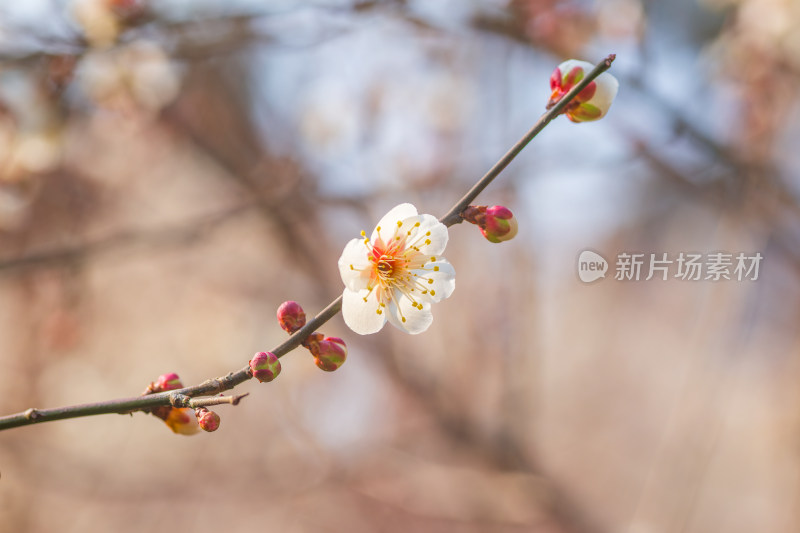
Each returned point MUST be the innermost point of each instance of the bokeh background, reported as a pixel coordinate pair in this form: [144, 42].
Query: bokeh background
[172, 170]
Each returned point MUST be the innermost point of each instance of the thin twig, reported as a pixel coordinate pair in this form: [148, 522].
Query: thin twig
[454, 215]
[218, 385]
[181, 400]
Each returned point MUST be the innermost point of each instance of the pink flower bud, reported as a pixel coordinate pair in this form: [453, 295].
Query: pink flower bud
[330, 354]
[499, 224]
[291, 316]
[593, 102]
[169, 381]
[181, 421]
[265, 366]
[207, 420]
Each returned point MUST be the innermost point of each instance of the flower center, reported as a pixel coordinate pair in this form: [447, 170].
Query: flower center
[386, 267]
[393, 264]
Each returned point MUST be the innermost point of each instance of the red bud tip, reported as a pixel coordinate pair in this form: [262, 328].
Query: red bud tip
[167, 382]
[291, 316]
[265, 366]
[207, 420]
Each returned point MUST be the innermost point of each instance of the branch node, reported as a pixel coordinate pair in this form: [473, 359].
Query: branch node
[216, 383]
[31, 414]
[179, 400]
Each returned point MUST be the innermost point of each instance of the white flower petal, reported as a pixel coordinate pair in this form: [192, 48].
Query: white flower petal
[407, 318]
[439, 284]
[388, 223]
[361, 316]
[354, 265]
[430, 236]
[607, 87]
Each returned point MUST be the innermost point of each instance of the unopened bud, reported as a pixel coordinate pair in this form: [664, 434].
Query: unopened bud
[207, 420]
[182, 421]
[593, 102]
[330, 354]
[291, 316]
[265, 366]
[497, 223]
[169, 381]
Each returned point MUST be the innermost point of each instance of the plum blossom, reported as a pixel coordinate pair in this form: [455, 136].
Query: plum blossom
[396, 273]
[592, 102]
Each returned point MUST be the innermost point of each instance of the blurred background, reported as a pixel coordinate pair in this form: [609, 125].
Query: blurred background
[172, 170]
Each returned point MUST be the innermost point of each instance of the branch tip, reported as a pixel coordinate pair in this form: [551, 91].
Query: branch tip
[236, 399]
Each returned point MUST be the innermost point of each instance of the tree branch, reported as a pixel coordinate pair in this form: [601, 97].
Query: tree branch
[183, 397]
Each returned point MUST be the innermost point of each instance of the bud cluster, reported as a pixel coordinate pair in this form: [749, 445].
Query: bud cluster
[179, 419]
[329, 352]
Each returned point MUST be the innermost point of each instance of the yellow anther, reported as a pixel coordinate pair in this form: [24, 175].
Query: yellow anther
[404, 319]
[436, 269]
[379, 311]
[428, 234]
[399, 223]
[427, 241]
[433, 258]
[363, 233]
[430, 281]
[416, 224]
[433, 292]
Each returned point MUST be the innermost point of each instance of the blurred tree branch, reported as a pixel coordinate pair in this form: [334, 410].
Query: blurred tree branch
[178, 234]
[218, 385]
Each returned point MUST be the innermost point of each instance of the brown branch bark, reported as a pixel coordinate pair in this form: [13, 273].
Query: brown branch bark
[221, 384]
